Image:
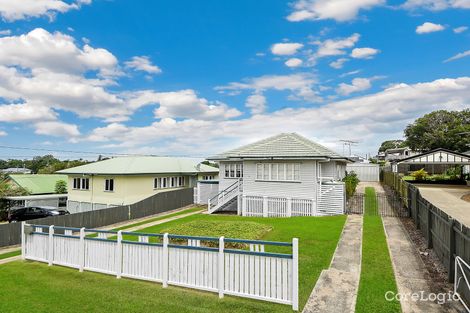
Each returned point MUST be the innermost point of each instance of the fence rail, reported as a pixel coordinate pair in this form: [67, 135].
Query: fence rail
[10, 234]
[187, 261]
[385, 204]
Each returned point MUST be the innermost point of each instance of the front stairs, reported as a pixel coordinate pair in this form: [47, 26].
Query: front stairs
[225, 199]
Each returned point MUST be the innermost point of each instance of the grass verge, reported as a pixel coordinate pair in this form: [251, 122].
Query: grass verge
[377, 276]
[35, 287]
[10, 254]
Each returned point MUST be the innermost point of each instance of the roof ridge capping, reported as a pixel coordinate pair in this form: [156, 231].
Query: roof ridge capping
[292, 145]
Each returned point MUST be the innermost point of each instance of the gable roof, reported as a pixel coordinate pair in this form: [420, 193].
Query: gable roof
[284, 145]
[437, 156]
[37, 184]
[134, 165]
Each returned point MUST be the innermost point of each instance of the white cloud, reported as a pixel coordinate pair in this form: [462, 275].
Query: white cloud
[339, 10]
[357, 84]
[182, 104]
[428, 27]
[458, 56]
[460, 29]
[143, 63]
[256, 103]
[293, 62]
[301, 85]
[286, 48]
[364, 53]
[5, 32]
[338, 63]
[12, 10]
[3, 133]
[350, 73]
[331, 47]
[57, 129]
[373, 118]
[54, 51]
[436, 5]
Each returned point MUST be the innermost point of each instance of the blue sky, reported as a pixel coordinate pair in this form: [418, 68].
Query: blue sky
[198, 77]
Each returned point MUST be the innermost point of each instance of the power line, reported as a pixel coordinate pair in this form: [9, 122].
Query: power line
[92, 153]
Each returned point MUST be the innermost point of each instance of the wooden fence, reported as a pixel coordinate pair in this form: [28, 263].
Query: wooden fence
[446, 236]
[10, 234]
[186, 261]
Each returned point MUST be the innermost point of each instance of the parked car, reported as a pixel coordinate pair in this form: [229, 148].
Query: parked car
[19, 214]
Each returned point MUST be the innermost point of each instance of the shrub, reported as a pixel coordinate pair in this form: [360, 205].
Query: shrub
[351, 181]
[61, 186]
[420, 174]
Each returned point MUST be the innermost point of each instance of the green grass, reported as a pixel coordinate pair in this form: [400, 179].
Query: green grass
[150, 220]
[35, 287]
[9, 254]
[377, 276]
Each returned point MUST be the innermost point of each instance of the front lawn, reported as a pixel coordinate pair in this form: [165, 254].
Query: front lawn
[377, 276]
[35, 287]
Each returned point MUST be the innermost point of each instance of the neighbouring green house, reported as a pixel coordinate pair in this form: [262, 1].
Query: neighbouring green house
[40, 189]
[36, 184]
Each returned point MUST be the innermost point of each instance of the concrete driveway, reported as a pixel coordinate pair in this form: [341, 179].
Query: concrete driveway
[447, 198]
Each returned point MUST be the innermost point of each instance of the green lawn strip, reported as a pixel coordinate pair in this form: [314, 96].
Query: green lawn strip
[377, 276]
[371, 205]
[37, 286]
[150, 220]
[10, 254]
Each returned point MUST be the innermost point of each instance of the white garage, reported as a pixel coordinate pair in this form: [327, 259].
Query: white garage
[365, 171]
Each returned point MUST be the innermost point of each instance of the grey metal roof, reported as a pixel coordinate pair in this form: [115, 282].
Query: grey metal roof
[284, 145]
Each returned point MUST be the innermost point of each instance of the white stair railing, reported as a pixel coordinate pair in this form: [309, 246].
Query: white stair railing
[224, 196]
[461, 282]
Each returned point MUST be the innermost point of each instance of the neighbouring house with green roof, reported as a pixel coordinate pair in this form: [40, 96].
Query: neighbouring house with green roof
[280, 176]
[36, 184]
[127, 180]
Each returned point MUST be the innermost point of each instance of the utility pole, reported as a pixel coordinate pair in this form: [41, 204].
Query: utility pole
[348, 143]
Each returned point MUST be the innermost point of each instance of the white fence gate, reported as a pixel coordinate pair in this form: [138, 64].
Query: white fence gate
[365, 171]
[195, 262]
[205, 190]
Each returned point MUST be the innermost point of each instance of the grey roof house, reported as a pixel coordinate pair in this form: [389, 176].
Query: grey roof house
[283, 175]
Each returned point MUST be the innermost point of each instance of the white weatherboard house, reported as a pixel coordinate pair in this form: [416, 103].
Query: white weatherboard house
[284, 175]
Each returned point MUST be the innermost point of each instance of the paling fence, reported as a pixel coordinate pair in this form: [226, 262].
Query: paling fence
[448, 237]
[235, 267]
[10, 234]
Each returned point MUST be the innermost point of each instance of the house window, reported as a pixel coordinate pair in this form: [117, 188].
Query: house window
[208, 177]
[233, 170]
[81, 183]
[278, 171]
[109, 184]
[169, 182]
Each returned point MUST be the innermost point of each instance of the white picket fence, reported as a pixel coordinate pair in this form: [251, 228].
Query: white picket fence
[172, 259]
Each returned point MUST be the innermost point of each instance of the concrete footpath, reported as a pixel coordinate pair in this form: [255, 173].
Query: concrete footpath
[336, 288]
[410, 271]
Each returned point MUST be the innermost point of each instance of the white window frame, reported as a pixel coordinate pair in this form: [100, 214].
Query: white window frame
[79, 183]
[169, 182]
[233, 170]
[108, 185]
[264, 172]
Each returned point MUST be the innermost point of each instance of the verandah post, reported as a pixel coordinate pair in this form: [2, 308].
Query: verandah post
[81, 251]
[243, 205]
[295, 274]
[220, 268]
[23, 241]
[165, 260]
[51, 245]
[119, 254]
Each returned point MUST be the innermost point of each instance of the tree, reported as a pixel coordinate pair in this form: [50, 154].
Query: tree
[61, 186]
[440, 129]
[392, 144]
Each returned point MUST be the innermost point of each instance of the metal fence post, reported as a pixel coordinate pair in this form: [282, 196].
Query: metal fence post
[23, 241]
[81, 251]
[295, 274]
[119, 254]
[451, 270]
[220, 267]
[165, 271]
[51, 245]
